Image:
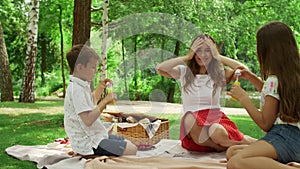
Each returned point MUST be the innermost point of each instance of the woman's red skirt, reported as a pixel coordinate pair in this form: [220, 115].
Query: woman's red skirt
[206, 118]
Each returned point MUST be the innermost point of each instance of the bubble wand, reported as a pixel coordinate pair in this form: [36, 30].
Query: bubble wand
[237, 73]
[109, 85]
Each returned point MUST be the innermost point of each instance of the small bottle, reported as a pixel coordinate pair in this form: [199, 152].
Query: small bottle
[115, 127]
[109, 86]
[236, 82]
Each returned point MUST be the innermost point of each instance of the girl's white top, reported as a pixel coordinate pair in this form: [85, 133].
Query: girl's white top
[199, 95]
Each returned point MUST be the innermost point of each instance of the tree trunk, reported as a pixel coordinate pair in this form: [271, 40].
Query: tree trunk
[27, 90]
[62, 51]
[6, 90]
[135, 60]
[103, 66]
[172, 87]
[163, 40]
[82, 22]
[44, 57]
[137, 94]
[124, 63]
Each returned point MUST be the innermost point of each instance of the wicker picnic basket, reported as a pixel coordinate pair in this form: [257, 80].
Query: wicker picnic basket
[138, 135]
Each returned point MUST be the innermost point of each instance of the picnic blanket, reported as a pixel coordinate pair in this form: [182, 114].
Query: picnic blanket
[166, 154]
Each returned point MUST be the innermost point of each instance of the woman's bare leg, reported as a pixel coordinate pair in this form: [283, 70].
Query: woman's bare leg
[220, 136]
[199, 134]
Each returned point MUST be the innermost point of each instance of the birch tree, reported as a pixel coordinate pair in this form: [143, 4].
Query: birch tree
[27, 91]
[103, 66]
[6, 90]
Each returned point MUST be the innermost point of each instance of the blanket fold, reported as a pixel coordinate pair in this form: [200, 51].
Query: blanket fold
[150, 163]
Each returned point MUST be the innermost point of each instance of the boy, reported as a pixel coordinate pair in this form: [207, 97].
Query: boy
[87, 134]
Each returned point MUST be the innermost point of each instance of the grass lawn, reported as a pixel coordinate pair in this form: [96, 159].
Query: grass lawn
[42, 122]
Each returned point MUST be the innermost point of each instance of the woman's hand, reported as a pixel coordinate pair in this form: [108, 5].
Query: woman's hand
[237, 92]
[213, 48]
[193, 49]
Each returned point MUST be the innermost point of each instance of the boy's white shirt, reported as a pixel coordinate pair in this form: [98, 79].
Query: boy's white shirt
[79, 99]
[199, 97]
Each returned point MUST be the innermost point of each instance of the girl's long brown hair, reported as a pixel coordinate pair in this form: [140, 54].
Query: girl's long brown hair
[215, 69]
[278, 54]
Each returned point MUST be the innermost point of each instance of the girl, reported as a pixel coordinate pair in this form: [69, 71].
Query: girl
[279, 116]
[204, 127]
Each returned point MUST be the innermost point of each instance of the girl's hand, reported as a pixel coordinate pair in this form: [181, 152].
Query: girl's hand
[246, 73]
[237, 92]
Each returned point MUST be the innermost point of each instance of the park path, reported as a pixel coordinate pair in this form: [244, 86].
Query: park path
[159, 107]
[125, 106]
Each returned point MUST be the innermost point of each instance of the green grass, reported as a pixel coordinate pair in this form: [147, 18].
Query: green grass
[25, 128]
[236, 104]
[42, 122]
[40, 104]
[247, 126]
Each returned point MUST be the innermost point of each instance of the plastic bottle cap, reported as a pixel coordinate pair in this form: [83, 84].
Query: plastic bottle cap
[238, 72]
[109, 84]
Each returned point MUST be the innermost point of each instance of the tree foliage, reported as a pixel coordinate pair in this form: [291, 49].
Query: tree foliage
[145, 31]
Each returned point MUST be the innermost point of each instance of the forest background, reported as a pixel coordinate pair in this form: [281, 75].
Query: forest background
[140, 34]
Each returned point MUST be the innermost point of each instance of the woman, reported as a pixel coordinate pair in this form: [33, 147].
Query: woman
[204, 127]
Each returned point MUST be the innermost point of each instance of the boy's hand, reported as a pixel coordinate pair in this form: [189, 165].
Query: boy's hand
[99, 93]
[102, 83]
[111, 97]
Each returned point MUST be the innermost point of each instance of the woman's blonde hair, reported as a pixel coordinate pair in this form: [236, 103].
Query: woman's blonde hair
[215, 68]
[278, 54]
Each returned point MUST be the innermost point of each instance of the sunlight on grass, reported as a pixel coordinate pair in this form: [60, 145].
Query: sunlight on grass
[38, 104]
